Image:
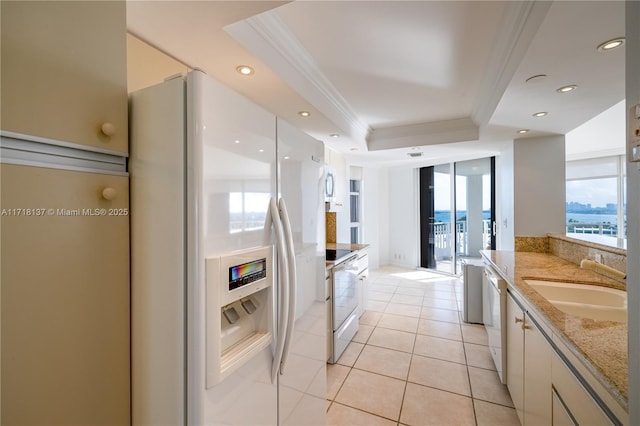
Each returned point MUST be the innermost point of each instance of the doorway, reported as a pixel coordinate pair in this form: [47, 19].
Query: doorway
[457, 213]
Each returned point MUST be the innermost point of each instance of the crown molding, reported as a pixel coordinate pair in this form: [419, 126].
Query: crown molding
[519, 26]
[268, 38]
[438, 132]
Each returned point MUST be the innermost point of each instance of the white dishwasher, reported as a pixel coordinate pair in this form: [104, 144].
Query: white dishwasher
[494, 300]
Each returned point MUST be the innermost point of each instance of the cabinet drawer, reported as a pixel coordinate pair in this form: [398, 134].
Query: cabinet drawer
[577, 401]
[363, 263]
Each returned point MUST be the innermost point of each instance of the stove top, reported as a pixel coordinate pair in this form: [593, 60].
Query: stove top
[333, 255]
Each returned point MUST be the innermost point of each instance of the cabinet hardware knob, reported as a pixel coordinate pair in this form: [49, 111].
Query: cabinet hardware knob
[109, 193]
[519, 320]
[108, 129]
[525, 326]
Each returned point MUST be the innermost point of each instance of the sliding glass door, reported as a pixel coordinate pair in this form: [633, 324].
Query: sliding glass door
[437, 241]
[457, 213]
[475, 207]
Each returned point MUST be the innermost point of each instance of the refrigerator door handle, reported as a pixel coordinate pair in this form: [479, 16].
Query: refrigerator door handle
[282, 289]
[291, 255]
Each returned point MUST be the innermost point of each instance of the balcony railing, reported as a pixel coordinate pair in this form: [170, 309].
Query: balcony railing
[609, 229]
[443, 238]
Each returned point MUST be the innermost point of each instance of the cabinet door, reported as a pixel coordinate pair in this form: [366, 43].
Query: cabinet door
[537, 376]
[515, 355]
[64, 71]
[65, 298]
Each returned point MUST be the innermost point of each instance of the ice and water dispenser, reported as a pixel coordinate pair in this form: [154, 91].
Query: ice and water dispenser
[239, 291]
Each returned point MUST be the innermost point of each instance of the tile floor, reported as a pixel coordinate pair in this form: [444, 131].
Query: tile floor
[414, 361]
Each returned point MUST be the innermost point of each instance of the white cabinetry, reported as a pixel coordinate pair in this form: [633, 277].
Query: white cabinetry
[571, 401]
[515, 356]
[549, 385]
[528, 366]
[363, 275]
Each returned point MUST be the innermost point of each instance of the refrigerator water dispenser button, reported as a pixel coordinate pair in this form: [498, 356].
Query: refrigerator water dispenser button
[231, 315]
[248, 306]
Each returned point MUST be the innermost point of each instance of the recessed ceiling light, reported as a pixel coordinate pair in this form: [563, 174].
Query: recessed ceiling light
[523, 131]
[286, 157]
[334, 135]
[567, 89]
[261, 150]
[245, 70]
[304, 113]
[540, 114]
[611, 44]
[236, 141]
[354, 149]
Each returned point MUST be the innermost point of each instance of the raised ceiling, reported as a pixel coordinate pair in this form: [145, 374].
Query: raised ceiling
[444, 78]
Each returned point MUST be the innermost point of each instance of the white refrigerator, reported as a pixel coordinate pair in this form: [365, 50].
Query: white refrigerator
[228, 252]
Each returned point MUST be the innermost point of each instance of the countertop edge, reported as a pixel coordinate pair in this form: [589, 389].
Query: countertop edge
[329, 264]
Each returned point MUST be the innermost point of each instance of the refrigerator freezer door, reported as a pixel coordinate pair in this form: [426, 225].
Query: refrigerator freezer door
[65, 297]
[231, 162]
[301, 184]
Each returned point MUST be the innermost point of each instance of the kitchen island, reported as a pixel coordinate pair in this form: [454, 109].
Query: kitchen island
[598, 347]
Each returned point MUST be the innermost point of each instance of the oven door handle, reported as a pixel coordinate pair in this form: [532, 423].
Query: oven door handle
[347, 264]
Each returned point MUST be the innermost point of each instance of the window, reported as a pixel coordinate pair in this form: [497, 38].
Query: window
[595, 196]
[355, 209]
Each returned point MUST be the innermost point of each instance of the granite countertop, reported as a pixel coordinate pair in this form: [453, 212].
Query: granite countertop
[346, 246]
[602, 345]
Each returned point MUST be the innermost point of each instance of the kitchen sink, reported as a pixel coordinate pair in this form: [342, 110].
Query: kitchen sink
[584, 300]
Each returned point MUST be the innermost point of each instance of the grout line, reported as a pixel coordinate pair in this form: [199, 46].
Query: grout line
[460, 324]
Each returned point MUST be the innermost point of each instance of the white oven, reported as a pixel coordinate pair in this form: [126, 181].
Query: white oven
[345, 305]
[494, 301]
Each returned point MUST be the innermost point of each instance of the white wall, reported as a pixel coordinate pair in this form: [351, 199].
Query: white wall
[539, 189]
[403, 217]
[504, 198]
[633, 206]
[375, 215]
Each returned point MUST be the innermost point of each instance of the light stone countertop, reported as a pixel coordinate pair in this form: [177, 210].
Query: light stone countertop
[602, 345]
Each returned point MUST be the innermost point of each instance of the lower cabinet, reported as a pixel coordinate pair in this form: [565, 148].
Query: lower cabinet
[544, 389]
[572, 404]
[560, 413]
[363, 275]
[528, 366]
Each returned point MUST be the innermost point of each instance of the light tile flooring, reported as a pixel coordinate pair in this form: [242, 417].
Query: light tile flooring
[414, 361]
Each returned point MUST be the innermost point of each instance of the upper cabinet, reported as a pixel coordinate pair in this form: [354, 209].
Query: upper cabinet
[64, 71]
